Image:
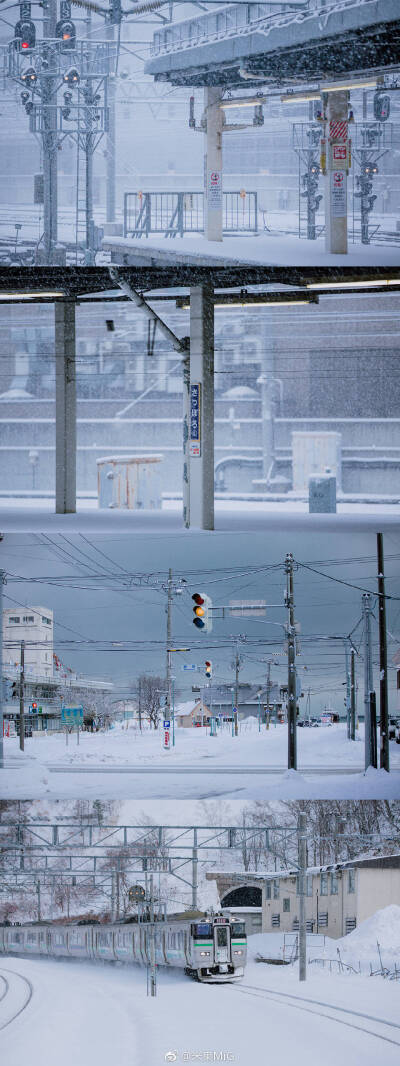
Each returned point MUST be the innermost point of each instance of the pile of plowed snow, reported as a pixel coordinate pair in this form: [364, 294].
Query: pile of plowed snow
[381, 928]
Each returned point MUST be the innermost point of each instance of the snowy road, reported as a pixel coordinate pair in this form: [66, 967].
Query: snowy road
[97, 1015]
[133, 765]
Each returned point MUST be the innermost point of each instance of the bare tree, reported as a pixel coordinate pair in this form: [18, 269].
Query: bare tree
[151, 689]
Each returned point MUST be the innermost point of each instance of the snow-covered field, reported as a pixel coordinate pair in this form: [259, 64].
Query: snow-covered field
[123, 763]
[94, 1015]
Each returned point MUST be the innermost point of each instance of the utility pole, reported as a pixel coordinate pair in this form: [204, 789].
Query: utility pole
[348, 687]
[268, 687]
[352, 694]
[153, 972]
[21, 698]
[140, 704]
[169, 638]
[302, 862]
[194, 870]
[383, 685]
[2, 694]
[236, 665]
[49, 136]
[291, 695]
[39, 910]
[370, 740]
[111, 136]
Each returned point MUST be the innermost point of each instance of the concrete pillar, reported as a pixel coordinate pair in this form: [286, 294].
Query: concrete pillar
[213, 164]
[65, 407]
[337, 162]
[201, 426]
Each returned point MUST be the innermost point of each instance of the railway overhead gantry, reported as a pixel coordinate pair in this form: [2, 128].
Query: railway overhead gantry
[325, 47]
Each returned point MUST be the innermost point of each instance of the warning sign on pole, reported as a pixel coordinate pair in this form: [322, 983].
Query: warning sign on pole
[339, 156]
[338, 194]
[214, 191]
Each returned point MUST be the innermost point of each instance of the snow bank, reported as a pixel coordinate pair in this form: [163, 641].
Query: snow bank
[381, 928]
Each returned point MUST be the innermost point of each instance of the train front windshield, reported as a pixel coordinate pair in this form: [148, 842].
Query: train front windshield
[238, 929]
[222, 936]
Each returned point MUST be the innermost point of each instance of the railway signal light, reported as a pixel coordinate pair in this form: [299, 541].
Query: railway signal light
[65, 28]
[202, 611]
[208, 667]
[29, 75]
[66, 34]
[381, 107]
[72, 76]
[24, 36]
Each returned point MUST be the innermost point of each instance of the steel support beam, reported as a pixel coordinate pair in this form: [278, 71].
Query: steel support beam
[213, 164]
[65, 407]
[201, 457]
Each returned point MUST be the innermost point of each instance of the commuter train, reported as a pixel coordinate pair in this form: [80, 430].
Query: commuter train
[211, 948]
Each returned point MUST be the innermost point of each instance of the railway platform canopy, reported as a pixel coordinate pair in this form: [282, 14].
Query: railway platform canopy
[198, 291]
[309, 40]
[327, 48]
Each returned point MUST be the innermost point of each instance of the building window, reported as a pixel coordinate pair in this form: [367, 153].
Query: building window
[350, 924]
[323, 920]
[276, 888]
[334, 883]
[286, 904]
[14, 619]
[324, 883]
[268, 890]
[351, 884]
[46, 621]
[308, 885]
[28, 618]
[276, 921]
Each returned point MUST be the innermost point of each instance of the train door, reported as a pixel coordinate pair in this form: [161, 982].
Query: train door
[186, 942]
[222, 947]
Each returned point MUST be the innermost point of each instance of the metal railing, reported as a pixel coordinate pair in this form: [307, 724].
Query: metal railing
[177, 213]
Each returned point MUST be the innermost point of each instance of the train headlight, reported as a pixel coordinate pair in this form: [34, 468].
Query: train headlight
[204, 953]
[237, 952]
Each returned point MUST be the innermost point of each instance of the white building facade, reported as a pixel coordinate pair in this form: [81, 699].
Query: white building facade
[34, 626]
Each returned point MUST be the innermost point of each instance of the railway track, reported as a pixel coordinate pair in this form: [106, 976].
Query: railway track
[330, 1012]
[19, 992]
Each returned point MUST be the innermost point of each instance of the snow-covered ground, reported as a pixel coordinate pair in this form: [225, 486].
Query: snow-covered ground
[94, 1015]
[265, 249]
[123, 763]
[230, 515]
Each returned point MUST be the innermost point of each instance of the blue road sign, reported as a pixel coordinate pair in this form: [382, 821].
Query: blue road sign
[189, 666]
[72, 715]
[167, 723]
[195, 422]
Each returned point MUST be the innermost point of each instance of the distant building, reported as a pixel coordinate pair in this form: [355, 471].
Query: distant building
[189, 714]
[338, 896]
[48, 684]
[34, 625]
